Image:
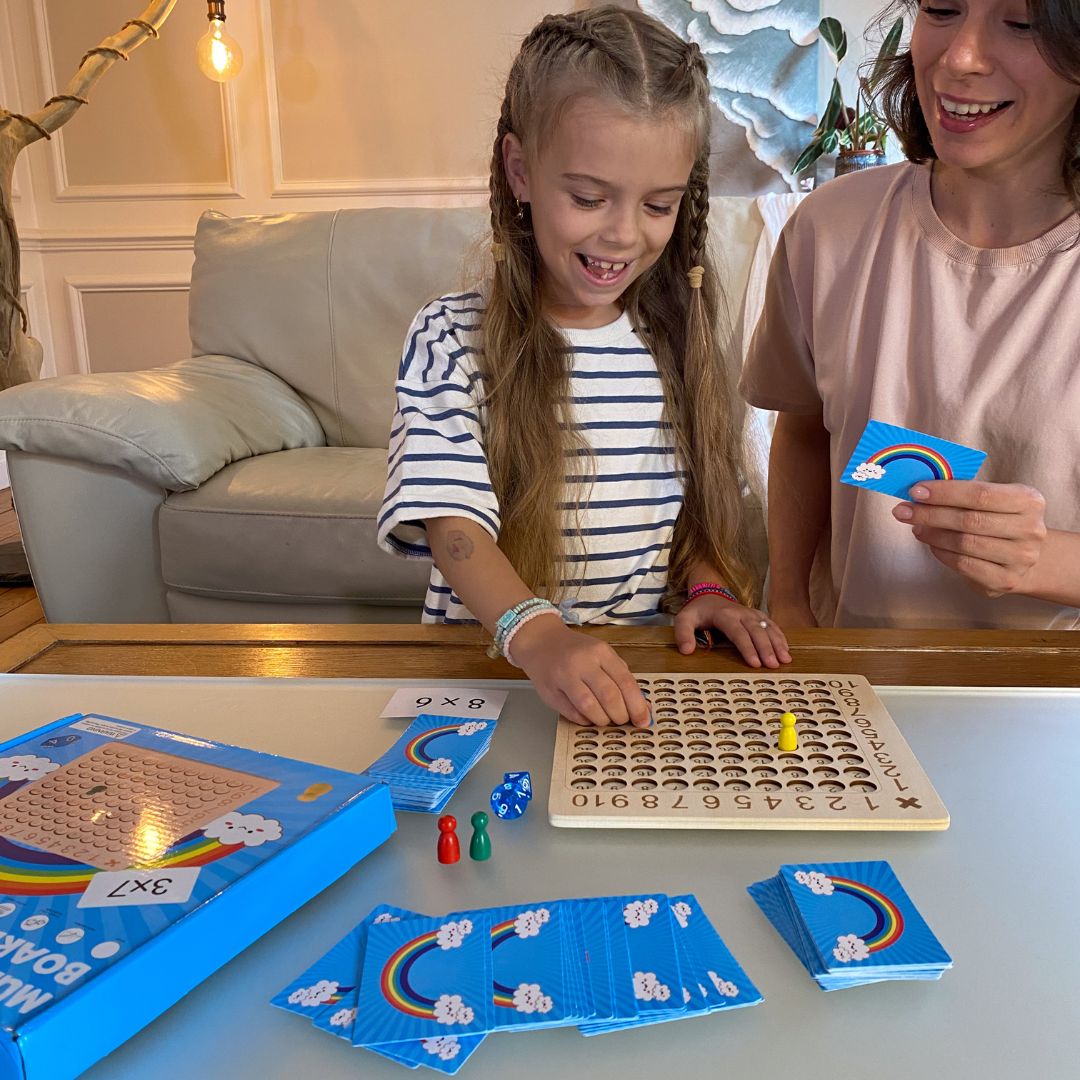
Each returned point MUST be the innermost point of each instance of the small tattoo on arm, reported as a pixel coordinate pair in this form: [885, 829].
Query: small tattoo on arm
[459, 546]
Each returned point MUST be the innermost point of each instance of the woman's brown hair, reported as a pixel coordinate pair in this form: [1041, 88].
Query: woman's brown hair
[625, 57]
[1056, 27]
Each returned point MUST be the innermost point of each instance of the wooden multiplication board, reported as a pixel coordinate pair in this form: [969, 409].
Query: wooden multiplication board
[121, 806]
[711, 760]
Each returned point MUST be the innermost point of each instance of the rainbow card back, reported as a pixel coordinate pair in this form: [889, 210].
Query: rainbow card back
[891, 459]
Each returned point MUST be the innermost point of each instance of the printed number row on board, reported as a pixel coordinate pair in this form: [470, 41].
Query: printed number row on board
[837, 803]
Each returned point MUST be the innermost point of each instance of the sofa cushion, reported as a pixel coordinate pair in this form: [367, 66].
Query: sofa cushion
[324, 300]
[295, 524]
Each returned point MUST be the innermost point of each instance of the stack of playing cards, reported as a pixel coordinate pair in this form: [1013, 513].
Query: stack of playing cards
[427, 991]
[850, 923]
[426, 764]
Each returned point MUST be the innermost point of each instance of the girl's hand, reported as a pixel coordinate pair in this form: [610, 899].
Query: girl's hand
[756, 636]
[990, 534]
[581, 677]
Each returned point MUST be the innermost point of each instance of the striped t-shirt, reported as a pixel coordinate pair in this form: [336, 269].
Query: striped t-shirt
[631, 488]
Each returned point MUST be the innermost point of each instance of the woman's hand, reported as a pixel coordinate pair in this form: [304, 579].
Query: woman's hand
[756, 636]
[991, 534]
[581, 677]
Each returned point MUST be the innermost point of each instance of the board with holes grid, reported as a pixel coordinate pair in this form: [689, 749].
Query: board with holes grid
[122, 806]
[711, 760]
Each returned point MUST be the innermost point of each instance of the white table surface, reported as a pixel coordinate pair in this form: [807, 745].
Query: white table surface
[1000, 888]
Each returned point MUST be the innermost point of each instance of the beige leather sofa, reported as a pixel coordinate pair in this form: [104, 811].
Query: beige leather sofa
[243, 484]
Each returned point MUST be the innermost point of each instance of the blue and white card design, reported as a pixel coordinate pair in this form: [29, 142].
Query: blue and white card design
[430, 759]
[429, 989]
[328, 992]
[891, 459]
[530, 979]
[851, 923]
[425, 978]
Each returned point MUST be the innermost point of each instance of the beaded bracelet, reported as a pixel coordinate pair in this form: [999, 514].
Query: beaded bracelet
[528, 616]
[510, 618]
[710, 588]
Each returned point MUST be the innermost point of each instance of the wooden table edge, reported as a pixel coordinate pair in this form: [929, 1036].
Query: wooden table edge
[395, 650]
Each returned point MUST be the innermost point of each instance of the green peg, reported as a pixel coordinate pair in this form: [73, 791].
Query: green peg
[480, 845]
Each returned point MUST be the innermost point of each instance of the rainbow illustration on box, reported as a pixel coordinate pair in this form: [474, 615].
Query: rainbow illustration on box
[891, 459]
[112, 832]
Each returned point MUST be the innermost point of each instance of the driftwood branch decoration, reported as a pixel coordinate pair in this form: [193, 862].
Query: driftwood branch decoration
[20, 355]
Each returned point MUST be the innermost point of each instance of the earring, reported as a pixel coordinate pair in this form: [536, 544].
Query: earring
[519, 211]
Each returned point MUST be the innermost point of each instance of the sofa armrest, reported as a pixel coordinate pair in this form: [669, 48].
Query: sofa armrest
[173, 426]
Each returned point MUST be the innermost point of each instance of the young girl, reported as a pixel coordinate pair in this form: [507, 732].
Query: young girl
[939, 295]
[565, 446]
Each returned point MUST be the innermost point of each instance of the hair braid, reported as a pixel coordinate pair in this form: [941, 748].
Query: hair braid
[624, 58]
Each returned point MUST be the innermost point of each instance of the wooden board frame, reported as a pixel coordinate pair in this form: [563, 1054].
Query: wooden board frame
[710, 760]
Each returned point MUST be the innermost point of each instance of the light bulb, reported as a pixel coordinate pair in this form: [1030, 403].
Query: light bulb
[218, 55]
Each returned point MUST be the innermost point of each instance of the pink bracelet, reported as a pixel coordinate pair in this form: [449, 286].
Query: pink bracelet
[527, 617]
[710, 588]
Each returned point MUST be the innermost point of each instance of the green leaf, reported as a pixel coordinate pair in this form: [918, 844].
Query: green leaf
[832, 109]
[830, 142]
[808, 156]
[886, 53]
[834, 36]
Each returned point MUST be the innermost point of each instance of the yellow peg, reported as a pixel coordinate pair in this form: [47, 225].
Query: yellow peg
[789, 740]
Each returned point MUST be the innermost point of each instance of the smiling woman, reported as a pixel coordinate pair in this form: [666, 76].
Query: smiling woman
[939, 295]
[1023, 59]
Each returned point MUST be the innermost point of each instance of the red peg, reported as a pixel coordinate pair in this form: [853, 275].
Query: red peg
[449, 848]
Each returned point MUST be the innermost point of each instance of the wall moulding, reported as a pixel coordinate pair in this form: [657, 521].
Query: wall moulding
[50, 242]
[344, 187]
[65, 191]
[78, 286]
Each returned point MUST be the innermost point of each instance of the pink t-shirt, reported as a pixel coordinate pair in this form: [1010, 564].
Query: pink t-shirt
[875, 310]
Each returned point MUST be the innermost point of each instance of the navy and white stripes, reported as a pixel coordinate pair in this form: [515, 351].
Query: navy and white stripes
[630, 487]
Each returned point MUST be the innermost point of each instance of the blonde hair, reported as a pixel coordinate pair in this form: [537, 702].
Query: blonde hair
[628, 58]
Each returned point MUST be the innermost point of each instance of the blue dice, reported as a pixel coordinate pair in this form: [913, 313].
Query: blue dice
[510, 799]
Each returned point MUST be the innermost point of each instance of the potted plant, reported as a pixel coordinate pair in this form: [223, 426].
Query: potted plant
[858, 134]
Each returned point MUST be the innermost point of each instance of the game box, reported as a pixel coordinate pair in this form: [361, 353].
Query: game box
[134, 862]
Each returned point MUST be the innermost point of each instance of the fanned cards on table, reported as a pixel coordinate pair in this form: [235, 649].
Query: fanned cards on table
[850, 923]
[891, 459]
[427, 991]
[430, 759]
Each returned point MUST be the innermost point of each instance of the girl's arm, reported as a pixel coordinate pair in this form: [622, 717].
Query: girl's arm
[758, 638]
[580, 677]
[799, 492]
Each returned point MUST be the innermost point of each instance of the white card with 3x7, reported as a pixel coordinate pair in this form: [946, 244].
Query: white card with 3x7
[465, 702]
[128, 888]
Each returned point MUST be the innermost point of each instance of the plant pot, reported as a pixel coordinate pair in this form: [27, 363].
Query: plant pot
[854, 160]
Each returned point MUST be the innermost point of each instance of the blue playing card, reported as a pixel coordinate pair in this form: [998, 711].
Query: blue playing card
[850, 923]
[327, 991]
[891, 459]
[425, 979]
[709, 967]
[430, 759]
[529, 976]
[596, 951]
[859, 918]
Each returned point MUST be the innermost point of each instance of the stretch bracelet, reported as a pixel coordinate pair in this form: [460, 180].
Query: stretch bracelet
[710, 588]
[510, 618]
[528, 616]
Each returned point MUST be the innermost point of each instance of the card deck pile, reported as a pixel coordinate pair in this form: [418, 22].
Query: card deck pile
[427, 991]
[850, 923]
[430, 759]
